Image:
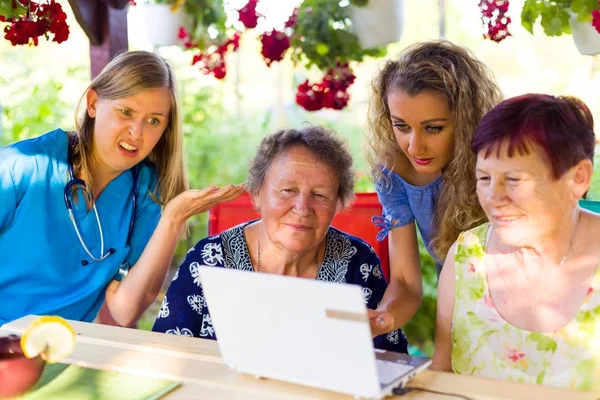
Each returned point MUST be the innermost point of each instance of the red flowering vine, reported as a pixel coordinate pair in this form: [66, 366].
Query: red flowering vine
[213, 61]
[248, 15]
[41, 19]
[596, 19]
[495, 21]
[184, 35]
[331, 92]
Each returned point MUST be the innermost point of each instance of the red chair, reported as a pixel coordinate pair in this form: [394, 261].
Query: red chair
[355, 221]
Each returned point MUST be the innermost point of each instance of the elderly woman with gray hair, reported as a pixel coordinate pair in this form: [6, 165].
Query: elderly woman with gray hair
[299, 180]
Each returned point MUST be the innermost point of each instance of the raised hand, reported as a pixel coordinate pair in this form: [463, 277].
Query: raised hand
[192, 201]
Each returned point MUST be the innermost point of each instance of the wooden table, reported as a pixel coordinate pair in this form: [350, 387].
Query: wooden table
[198, 365]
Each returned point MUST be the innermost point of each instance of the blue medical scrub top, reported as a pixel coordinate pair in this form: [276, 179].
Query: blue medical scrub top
[41, 269]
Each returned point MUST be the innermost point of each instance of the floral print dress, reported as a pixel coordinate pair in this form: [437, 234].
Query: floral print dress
[484, 344]
[347, 259]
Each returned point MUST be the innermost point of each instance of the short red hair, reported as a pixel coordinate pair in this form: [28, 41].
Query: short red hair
[562, 126]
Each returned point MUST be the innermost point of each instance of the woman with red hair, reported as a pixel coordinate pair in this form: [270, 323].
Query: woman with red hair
[519, 297]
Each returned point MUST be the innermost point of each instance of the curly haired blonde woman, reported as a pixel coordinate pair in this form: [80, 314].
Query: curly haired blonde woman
[424, 108]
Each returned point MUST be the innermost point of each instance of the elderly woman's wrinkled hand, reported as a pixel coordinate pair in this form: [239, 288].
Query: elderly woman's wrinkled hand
[193, 201]
[381, 322]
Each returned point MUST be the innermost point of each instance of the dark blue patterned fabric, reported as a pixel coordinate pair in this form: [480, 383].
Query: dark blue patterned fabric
[347, 259]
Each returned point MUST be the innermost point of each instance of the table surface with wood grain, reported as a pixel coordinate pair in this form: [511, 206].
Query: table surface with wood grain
[197, 364]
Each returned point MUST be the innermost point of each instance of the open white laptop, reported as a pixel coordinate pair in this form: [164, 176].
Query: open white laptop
[300, 330]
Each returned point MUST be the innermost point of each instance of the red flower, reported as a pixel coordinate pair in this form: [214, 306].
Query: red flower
[596, 19]
[335, 99]
[515, 355]
[331, 92]
[274, 46]
[309, 96]
[494, 19]
[185, 37]
[213, 62]
[293, 20]
[40, 20]
[248, 15]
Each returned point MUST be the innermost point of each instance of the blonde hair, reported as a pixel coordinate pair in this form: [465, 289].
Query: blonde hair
[127, 75]
[470, 90]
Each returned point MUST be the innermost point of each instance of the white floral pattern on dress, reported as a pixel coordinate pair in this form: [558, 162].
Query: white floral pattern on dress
[212, 254]
[338, 252]
[365, 270]
[195, 272]
[196, 302]
[176, 275]
[377, 272]
[207, 329]
[367, 294]
[486, 345]
[180, 332]
[164, 309]
[393, 337]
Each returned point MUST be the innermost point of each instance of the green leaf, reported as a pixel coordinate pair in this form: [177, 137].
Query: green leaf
[555, 21]
[322, 49]
[7, 10]
[529, 14]
[544, 343]
[359, 3]
[474, 320]
[540, 378]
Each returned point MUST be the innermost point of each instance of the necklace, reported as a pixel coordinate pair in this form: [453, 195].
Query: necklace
[562, 261]
[258, 259]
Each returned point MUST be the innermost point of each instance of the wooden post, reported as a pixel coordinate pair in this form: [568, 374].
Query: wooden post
[105, 24]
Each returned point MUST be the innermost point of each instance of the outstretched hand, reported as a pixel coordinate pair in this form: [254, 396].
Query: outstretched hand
[381, 322]
[192, 201]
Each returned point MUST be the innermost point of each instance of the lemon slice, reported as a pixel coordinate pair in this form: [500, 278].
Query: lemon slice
[49, 336]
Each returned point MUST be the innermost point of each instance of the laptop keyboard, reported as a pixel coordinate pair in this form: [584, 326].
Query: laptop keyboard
[389, 371]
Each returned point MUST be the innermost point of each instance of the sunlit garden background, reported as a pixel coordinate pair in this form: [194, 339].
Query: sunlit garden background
[225, 119]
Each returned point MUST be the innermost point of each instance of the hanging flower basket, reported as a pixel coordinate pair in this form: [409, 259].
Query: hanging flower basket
[585, 36]
[378, 23]
[161, 23]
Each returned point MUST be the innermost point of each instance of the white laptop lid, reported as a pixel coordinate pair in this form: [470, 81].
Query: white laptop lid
[298, 330]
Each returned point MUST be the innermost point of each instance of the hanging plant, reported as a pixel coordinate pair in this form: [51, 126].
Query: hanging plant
[495, 21]
[28, 20]
[554, 15]
[318, 34]
[206, 35]
[322, 35]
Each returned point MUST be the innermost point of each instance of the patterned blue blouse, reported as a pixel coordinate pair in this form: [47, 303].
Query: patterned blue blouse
[404, 204]
[347, 259]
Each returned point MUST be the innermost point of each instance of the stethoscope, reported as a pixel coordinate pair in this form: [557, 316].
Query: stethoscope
[70, 188]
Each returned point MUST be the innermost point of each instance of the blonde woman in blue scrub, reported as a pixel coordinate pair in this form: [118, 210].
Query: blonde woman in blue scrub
[94, 215]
